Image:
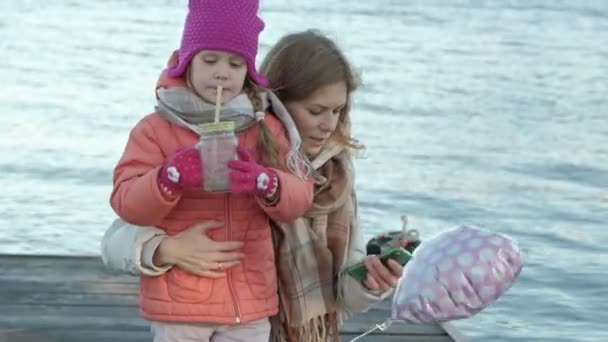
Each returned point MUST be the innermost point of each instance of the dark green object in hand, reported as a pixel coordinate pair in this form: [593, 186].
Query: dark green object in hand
[359, 271]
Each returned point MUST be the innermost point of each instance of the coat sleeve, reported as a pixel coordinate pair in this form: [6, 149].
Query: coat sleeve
[352, 296]
[295, 194]
[129, 249]
[136, 197]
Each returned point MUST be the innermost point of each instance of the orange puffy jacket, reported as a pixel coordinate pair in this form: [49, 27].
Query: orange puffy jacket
[249, 290]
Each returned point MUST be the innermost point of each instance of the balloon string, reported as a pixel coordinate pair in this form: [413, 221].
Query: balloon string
[380, 327]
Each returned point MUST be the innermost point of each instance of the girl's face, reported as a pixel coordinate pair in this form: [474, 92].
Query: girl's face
[210, 69]
[317, 116]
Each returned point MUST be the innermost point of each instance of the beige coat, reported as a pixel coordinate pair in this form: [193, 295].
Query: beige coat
[128, 248]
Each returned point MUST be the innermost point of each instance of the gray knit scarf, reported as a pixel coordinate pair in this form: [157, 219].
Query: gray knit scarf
[186, 109]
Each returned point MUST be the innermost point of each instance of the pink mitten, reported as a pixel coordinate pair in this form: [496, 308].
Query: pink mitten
[249, 176]
[182, 170]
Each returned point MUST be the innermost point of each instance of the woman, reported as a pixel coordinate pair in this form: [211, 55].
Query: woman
[311, 76]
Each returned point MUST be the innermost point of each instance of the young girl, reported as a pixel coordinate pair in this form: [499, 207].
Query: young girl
[158, 180]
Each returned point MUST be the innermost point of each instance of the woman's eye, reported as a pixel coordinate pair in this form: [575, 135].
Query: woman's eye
[315, 111]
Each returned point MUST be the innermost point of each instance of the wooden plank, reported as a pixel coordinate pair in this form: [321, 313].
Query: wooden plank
[92, 287]
[453, 333]
[69, 317]
[83, 335]
[58, 269]
[127, 317]
[379, 314]
[399, 338]
[76, 298]
[76, 335]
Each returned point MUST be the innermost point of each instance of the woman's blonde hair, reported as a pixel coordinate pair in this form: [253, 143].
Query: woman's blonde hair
[301, 63]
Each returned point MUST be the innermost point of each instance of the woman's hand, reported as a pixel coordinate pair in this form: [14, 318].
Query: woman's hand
[380, 277]
[193, 251]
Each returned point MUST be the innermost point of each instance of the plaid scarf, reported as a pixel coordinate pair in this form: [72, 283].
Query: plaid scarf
[310, 252]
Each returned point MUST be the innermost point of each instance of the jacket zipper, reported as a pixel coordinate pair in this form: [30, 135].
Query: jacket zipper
[237, 309]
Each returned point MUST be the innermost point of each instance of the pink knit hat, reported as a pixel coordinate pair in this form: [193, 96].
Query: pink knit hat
[225, 25]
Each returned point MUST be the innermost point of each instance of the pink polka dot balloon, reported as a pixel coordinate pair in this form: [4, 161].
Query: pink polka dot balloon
[455, 275]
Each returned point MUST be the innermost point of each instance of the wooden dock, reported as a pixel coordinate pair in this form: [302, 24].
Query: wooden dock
[75, 299]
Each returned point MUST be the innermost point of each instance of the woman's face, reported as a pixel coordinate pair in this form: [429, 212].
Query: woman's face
[317, 116]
